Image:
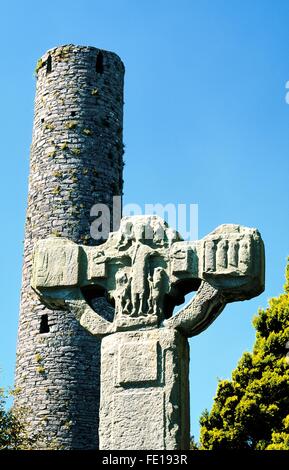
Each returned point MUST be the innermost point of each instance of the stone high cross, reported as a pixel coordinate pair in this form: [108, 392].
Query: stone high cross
[144, 270]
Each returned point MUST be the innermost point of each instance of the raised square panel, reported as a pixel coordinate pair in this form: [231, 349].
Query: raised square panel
[56, 264]
[137, 362]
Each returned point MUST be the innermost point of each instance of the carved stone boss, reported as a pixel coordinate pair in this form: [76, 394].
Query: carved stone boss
[144, 270]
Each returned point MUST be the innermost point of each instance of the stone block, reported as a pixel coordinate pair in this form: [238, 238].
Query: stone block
[55, 263]
[144, 391]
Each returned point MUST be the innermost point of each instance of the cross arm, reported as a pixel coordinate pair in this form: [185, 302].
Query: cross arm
[230, 264]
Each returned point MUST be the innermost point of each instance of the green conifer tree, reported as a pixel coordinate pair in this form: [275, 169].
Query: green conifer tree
[251, 411]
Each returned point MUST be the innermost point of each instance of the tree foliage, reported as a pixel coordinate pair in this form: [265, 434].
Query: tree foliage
[250, 411]
[14, 429]
[193, 444]
[13, 426]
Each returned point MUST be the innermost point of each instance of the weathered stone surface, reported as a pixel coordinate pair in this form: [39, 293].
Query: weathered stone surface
[144, 269]
[56, 264]
[144, 390]
[144, 275]
[76, 161]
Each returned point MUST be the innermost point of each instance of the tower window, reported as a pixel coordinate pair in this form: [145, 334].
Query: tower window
[49, 64]
[44, 327]
[99, 63]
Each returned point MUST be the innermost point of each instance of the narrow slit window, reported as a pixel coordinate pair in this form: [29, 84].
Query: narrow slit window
[49, 64]
[99, 63]
[44, 327]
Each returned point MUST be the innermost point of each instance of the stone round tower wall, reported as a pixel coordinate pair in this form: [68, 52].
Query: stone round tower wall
[76, 161]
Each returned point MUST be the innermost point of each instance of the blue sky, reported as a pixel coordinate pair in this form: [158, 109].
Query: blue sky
[206, 122]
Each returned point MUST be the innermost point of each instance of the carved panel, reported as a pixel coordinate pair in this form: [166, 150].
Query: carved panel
[137, 362]
[180, 258]
[225, 255]
[96, 265]
[56, 264]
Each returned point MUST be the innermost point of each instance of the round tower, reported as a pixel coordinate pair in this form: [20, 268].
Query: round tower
[76, 161]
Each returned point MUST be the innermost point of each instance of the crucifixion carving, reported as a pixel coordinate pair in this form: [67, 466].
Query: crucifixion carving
[143, 271]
